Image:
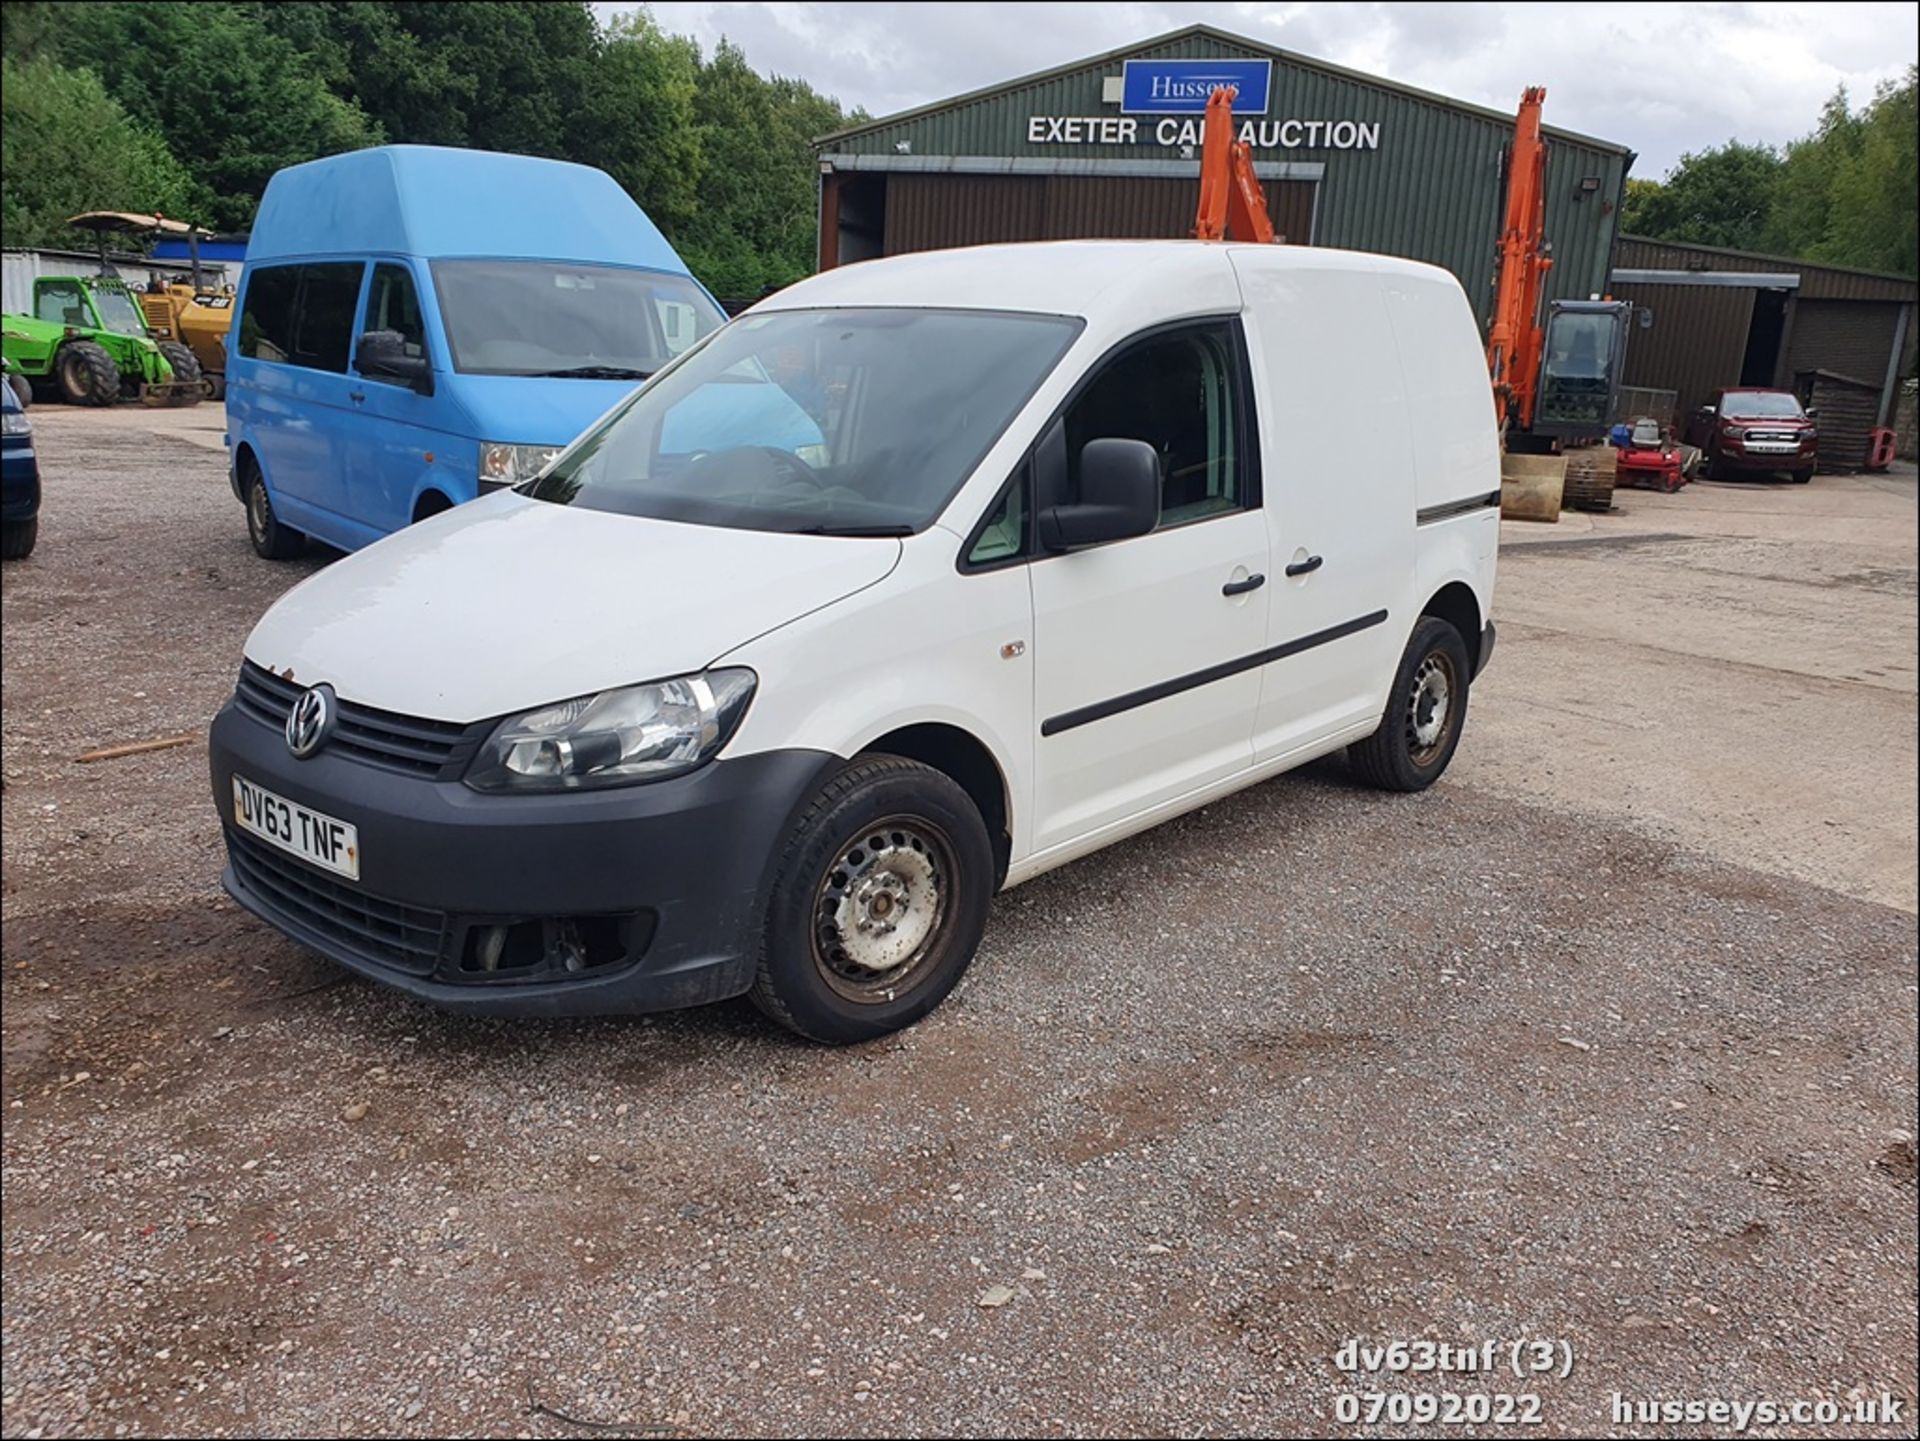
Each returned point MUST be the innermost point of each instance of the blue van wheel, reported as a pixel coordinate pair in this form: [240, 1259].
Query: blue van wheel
[271, 540]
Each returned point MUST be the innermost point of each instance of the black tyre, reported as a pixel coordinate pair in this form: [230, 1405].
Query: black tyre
[878, 902]
[17, 538]
[1426, 711]
[22, 389]
[1803, 477]
[216, 384]
[186, 367]
[87, 374]
[271, 540]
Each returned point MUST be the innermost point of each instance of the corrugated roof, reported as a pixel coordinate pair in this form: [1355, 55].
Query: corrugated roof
[1209, 32]
[1817, 281]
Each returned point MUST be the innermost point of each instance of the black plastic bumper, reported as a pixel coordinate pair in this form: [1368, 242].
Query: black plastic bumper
[1486, 650]
[687, 861]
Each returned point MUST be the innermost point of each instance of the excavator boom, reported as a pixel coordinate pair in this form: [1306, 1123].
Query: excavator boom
[1232, 204]
[1514, 340]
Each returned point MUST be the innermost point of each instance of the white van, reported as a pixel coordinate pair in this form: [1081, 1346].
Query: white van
[1093, 533]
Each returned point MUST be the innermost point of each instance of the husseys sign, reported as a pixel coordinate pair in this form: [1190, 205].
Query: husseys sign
[1176, 91]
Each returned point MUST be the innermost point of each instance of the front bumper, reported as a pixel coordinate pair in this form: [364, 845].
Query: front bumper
[677, 869]
[1486, 650]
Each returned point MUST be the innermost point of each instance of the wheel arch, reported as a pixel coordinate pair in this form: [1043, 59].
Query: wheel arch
[1457, 605]
[966, 760]
[430, 501]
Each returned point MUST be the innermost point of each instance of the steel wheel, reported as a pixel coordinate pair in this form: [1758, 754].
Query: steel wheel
[259, 514]
[880, 908]
[1430, 707]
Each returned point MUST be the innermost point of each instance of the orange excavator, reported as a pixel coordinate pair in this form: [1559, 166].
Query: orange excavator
[1232, 204]
[1514, 339]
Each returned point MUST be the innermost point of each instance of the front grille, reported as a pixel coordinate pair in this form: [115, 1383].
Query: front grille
[387, 933]
[438, 750]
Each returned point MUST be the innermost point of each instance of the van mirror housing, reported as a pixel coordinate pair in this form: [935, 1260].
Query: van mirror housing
[1119, 497]
[383, 355]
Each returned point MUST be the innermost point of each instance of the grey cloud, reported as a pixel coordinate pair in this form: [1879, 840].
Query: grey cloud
[1661, 78]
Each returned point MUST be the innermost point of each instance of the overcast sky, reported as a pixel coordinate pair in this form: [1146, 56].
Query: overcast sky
[1661, 78]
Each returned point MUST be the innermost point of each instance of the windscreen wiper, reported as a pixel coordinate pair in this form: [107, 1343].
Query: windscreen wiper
[594, 372]
[852, 530]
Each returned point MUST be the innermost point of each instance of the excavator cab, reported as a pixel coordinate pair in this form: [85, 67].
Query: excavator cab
[1584, 348]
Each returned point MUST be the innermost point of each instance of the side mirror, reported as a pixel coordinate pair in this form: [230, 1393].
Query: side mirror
[1811, 411]
[383, 355]
[1708, 410]
[1119, 497]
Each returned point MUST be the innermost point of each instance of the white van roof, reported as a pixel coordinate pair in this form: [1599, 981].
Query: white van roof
[1070, 277]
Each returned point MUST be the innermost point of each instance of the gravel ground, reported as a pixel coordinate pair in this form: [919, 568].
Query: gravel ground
[1312, 1064]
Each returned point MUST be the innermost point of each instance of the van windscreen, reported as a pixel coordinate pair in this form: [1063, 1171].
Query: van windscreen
[839, 422]
[546, 317]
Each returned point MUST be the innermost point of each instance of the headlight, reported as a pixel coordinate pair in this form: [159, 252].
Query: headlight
[615, 738]
[504, 464]
[14, 422]
[1733, 432]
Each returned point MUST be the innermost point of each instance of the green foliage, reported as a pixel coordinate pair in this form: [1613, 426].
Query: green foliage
[234, 101]
[1723, 196]
[65, 147]
[1843, 194]
[756, 227]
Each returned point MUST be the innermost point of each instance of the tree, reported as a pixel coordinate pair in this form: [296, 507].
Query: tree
[755, 227]
[1722, 196]
[66, 146]
[1640, 209]
[1803, 204]
[233, 101]
[1871, 218]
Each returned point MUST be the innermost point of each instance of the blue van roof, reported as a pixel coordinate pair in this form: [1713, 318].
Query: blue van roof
[432, 200]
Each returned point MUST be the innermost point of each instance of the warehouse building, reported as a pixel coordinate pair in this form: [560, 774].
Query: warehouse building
[1842, 339]
[1109, 147]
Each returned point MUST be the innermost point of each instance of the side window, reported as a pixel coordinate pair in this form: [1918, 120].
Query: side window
[61, 303]
[679, 323]
[266, 317]
[1005, 533]
[329, 300]
[1181, 394]
[393, 304]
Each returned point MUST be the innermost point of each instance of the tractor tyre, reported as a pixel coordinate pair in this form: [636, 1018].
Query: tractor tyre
[186, 365]
[87, 374]
[216, 384]
[22, 389]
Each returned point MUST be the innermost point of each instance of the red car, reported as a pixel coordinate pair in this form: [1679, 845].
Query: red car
[1750, 431]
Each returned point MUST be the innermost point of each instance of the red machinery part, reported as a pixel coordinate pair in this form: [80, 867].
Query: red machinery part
[1880, 447]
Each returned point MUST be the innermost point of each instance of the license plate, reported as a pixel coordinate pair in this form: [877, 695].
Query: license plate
[319, 840]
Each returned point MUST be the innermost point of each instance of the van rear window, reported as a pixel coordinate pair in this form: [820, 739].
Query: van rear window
[266, 317]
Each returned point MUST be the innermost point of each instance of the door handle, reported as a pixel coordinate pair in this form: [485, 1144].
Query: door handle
[356, 396]
[1304, 567]
[1241, 587]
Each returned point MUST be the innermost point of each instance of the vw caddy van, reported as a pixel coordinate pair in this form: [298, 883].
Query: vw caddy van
[679, 719]
[420, 325]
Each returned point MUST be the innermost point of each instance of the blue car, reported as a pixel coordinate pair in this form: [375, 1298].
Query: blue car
[19, 479]
[419, 325]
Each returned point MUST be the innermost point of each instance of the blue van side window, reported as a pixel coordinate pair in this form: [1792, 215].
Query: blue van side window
[393, 304]
[266, 319]
[329, 299]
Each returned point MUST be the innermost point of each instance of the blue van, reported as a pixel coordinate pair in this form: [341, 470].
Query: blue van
[420, 325]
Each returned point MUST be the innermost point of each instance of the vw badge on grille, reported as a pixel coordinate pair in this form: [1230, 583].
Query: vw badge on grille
[310, 721]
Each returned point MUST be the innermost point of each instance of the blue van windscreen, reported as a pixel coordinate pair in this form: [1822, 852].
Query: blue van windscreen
[542, 317]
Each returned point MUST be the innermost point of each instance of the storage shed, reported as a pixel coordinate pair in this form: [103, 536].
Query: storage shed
[1109, 147]
[1732, 317]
